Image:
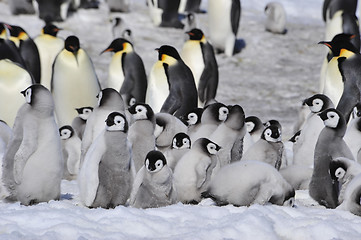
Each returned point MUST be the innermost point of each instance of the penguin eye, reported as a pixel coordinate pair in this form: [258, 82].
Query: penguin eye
[185, 141]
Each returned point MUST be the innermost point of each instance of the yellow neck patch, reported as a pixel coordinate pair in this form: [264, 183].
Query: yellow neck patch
[346, 53]
[168, 60]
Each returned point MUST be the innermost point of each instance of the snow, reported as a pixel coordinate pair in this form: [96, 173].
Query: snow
[269, 78]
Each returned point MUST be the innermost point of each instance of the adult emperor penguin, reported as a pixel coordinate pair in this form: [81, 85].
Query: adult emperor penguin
[249, 182]
[79, 122]
[107, 174]
[198, 55]
[141, 133]
[109, 100]
[33, 164]
[176, 83]
[28, 50]
[52, 11]
[330, 145]
[126, 70]
[181, 144]
[352, 195]
[223, 19]
[276, 18]
[21, 7]
[71, 145]
[154, 185]
[193, 171]
[304, 148]
[164, 13]
[49, 46]
[74, 77]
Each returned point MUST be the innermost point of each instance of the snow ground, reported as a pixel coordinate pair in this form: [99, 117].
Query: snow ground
[269, 78]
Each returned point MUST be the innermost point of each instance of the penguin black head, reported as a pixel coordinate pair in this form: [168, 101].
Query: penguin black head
[195, 34]
[84, 112]
[51, 29]
[66, 132]
[271, 133]
[32, 94]
[273, 122]
[253, 124]
[216, 111]
[154, 161]
[337, 169]
[332, 118]
[318, 103]
[193, 117]
[116, 122]
[289, 198]
[339, 42]
[117, 45]
[294, 138]
[208, 147]
[107, 95]
[235, 118]
[141, 111]
[18, 32]
[167, 50]
[72, 44]
[181, 141]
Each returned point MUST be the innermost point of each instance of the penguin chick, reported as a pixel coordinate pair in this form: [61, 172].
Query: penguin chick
[107, 174]
[254, 127]
[71, 145]
[181, 144]
[353, 131]
[352, 196]
[154, 186]
[79, 122]
[330, 145]
[192, 119]
[249, 182]
[141, 133]
[276, 18]
[194, 170]
[268, 149]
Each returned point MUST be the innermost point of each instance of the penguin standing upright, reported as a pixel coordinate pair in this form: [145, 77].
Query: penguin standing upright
[119, 5]
[74, 82]
[353, 132]
[107, 174]
[181, 144]
[49, 46]
[79, 122]
[21, 7]
[193, 119]
[8, 49]
[52, 11]
[254, 126]
[126, 70]
[276, 18]
[330, 145]
[164, 13]
[182, 91]
[223, 19]
[189, 6]
[198, 55]
[33, 162]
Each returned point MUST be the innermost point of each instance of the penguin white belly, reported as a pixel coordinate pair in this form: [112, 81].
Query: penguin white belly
[193, 57]
[158, 89]
[14, 79]
[333, 82]
[353, 138]
[48, 47]
[116, 74]
[74, 86]
[334, 25]
[155, 12]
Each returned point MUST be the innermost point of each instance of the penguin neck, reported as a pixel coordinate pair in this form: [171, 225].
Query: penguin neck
[346, 53]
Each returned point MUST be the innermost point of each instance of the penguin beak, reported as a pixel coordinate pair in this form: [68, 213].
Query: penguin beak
[107, 50]
[326, 44]
[23, 92]
[323, 116]
[308, 102]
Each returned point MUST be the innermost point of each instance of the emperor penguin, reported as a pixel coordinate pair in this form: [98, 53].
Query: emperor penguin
[193, 119]
[79, 122]
[13, 79]
[33, 163]
[109, 100]
[121, 30]
[177, 93]
[21, 7]
[28, 50]
[353, 132]
[190, 6]
[107, 174]
[181, 144]
[166, 127]
[198, 55]
[126, 70]
[74, 77]
[352, 196]
[223, 20]
[276, 18]
[49, 46]
[71, 145]
[330, 145]
[164, 13]
[254, 127]
[193, 171]
[249, 182]
[119, 5]
[268, 149]
[154, 185]
[52, 11]
[343, 170]
[141, 133]
[304, 148]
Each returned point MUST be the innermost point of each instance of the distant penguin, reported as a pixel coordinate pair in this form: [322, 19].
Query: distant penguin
[304, 148]
[71, 145]
[119, 5]
[141, 133]
[192, 119]
[268, 149]
[49, 46]
[52, 11]
[353, 132]
[109, 100]
[107, 174]
[121, 30]
[190, 23]
[154, 184]
[181, 93]
[21, 7]
[276, 18]
[198, 55]
[164, 13]
[126, 70]
[249, 182]
[28, 50]
[33, 163]
[343, 170]
[79, 122]
[352, 196]
[189, 6]
[223, 18]
[330, 145]
[181, 144]
[193, 171]
[74, 82]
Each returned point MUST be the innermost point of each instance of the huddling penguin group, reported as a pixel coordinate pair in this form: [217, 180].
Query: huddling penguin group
[151, 141]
